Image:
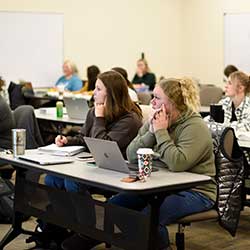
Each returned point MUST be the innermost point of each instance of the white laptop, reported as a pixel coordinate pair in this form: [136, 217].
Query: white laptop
[44, 159]
[107, 155]
[77, 108]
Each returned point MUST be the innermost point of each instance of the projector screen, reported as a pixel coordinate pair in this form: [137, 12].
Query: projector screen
[31, 47]
[237, 40]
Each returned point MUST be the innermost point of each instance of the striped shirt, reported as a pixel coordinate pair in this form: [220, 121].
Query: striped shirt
[242, 113]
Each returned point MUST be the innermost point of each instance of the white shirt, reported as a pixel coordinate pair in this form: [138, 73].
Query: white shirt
[132, 95]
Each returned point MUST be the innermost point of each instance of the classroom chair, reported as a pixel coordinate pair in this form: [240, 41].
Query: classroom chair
[210, 94]
[226, 149]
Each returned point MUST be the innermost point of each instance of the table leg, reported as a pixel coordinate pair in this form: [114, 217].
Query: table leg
[155, 203]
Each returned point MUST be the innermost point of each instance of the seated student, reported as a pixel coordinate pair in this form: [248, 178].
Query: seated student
[236, 105]
[181, 138]
[7, 122]
[3, 90]
[143, 74]
[70, 80]
[89, 86]
[131, 90]
[114, 117]
[228, 71]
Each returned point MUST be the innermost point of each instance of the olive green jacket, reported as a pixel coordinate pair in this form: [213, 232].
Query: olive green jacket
[186, 146]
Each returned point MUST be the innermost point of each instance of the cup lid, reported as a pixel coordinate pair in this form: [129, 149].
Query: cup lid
[146, 151]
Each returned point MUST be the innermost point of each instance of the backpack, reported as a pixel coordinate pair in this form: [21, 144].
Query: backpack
[6, 201]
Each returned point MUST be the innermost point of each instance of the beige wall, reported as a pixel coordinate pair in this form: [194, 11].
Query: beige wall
[203, 34]
[179, 37]
[115, 32]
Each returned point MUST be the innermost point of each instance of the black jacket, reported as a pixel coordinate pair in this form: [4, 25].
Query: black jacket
[229, 176]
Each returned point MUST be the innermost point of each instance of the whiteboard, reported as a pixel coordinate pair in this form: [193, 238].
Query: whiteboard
[237, 40]
[31, 47]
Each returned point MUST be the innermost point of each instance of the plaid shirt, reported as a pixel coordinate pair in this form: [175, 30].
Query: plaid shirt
[242, 113]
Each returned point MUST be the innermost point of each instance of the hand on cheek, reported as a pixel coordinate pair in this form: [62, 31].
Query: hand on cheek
[161, 120]
[99, 110]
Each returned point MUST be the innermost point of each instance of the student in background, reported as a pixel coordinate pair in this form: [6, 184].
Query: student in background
[131, 90]
[181, 138]
[228, 71]
[70, 80]
[7, 123]
[114, 117]
[89, 86]
[143, 74]
[3, 90]
[236, 105]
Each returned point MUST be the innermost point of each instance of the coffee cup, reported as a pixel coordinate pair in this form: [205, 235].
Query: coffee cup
[145, 157]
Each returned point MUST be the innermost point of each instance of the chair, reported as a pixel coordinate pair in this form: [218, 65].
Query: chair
[227, 142]
[146, 111]
[144, 98]
[210, 94]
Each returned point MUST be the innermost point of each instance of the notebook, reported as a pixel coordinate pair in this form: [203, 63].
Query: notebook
[44, 159]
[62, 151]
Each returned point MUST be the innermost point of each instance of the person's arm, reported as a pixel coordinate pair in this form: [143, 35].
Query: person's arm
[74, 84]
[144, 139]
[244, 124]
[121, 131]
[79, 139]
[59, 80]
[186, 152]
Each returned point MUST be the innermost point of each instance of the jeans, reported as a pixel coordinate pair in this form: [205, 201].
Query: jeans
[62, 183]
[173, 207]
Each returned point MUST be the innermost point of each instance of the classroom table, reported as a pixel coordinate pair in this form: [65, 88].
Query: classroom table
[63, 210]
[49, 114]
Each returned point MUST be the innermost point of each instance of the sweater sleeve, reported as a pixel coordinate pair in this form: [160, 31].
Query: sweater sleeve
[144, 139]
[182, 155]
[79, 139]
[121, 131]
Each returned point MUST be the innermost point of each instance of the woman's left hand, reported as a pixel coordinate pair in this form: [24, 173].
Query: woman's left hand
[99, 109]
[161, 120]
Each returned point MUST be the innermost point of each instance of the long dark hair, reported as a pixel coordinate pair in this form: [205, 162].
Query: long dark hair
[92, 73]
[124, 73]
[118, 101]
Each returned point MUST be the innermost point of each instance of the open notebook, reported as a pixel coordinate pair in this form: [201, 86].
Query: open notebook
[61, 151]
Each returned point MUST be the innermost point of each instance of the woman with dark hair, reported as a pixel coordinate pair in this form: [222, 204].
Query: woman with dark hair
[89, 86]
[229, 70]
[92, 73]
[114, 117]
[131, 90]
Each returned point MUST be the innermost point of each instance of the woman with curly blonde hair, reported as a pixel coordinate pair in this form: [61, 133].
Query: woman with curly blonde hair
[183, 142]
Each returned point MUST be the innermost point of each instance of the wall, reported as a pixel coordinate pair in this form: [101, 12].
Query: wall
[115, 32]
[203, 37]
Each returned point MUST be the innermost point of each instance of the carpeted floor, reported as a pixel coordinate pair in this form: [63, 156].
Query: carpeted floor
[203, 235]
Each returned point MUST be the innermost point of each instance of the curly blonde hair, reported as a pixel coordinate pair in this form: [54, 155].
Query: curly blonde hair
[184, 93]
